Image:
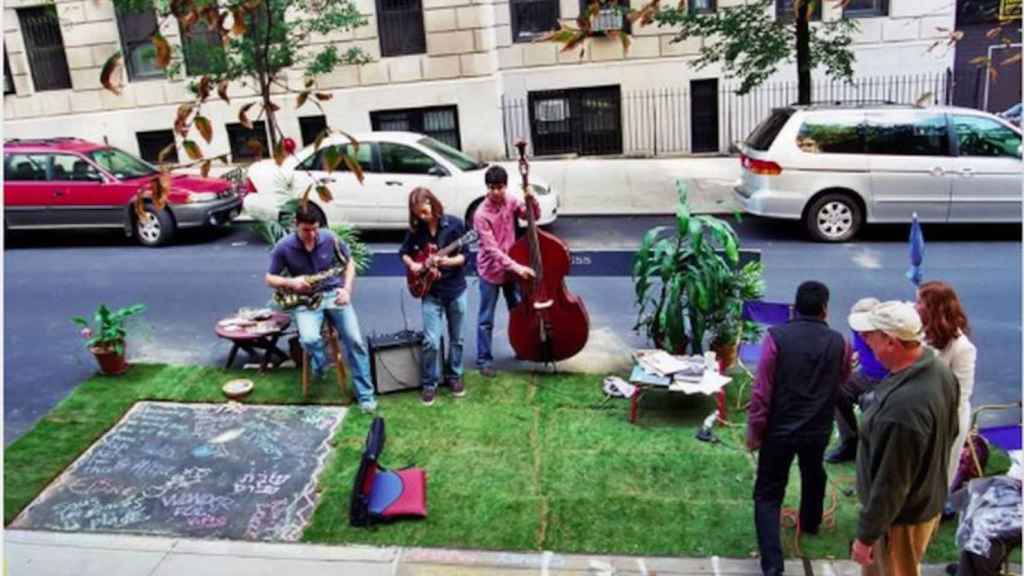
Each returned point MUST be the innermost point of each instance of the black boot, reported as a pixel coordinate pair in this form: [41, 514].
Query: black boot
[845, 452]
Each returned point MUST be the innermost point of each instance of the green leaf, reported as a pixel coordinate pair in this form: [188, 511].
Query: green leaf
[332, 158]
[192, 149]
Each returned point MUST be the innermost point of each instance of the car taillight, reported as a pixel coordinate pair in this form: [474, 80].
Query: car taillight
[250, 188]
[760, 167]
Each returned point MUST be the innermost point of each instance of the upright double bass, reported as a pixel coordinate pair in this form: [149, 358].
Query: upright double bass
[551, 323]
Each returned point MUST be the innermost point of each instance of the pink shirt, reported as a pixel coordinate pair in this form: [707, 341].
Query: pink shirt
[496, 226]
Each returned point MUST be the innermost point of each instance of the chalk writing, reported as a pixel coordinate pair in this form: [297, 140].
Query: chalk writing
[261, 483]
[199, 470]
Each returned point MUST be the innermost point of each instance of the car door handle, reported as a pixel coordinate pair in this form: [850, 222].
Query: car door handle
[327, 180]
[58, 192]
[940, 171]
[393, 183]
[968, 172]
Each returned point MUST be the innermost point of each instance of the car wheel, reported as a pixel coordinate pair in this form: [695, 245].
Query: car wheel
[834, 218]
[154, 228]
[471, 212]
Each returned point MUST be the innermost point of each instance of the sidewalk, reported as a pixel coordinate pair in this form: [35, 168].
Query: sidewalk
[60, 554]
[638, 186]
[625, 186]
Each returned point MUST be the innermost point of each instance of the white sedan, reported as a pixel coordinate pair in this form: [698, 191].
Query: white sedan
[393, 164]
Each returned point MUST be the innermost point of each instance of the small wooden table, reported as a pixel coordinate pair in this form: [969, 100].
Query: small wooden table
[255, 337]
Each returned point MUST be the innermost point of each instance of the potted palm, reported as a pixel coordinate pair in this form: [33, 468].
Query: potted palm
[689, 285]
[105, 336]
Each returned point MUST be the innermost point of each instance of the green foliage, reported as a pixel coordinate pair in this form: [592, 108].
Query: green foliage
[689, 285]
[108, 327]
[751, 44]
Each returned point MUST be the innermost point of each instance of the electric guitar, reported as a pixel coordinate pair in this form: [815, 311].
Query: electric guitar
[419, 284]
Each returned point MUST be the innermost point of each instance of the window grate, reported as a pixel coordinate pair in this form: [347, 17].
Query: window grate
[44, 47]
[439, 122]
[400, 24]
[533, 18]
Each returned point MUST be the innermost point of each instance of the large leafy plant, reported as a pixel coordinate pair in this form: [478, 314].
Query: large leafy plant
[107, 330]
[689, 284]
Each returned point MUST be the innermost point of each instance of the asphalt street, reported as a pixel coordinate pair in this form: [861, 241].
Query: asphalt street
[187, 287]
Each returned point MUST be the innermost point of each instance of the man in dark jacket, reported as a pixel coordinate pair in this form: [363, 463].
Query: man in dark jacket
[802, 366]
[904, 445]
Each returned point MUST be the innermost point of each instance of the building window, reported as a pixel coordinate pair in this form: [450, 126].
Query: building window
[239, 138]
[977, 11]
[585, 121]
[533, 18]
[866, 8]
[784, 9]
[153, 142]
[201, 45]
[137, 30]
[609, 16]
[703, 6]
[439, 122]
[8, 77]
[44, 47]
[400, 25]
[311, 127]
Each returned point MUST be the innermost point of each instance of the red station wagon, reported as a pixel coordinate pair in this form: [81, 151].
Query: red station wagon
[72, 183]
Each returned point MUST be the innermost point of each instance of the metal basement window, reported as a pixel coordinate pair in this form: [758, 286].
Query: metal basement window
[439, 122]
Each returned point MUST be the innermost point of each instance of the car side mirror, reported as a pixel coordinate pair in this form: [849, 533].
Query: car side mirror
[437, 170]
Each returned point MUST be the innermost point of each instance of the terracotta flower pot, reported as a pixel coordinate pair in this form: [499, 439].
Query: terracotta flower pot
[726, 353]
[111, 363]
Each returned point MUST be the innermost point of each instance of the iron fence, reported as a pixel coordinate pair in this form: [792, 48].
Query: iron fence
[659, 122]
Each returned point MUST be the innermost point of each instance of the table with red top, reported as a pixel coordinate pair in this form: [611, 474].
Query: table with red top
[256, 337]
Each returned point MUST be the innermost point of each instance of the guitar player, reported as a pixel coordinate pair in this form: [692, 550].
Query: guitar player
[310, 250]
[431, 229]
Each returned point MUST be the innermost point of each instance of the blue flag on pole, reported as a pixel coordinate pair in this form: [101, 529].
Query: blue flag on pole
[916, 252]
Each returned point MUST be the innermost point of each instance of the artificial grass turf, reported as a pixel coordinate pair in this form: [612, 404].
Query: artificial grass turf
[524, 462]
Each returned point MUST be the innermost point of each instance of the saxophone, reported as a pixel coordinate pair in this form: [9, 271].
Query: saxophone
[288, 300]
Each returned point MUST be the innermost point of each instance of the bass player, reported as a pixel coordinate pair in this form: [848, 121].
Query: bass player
[431, 229]
[308, 251]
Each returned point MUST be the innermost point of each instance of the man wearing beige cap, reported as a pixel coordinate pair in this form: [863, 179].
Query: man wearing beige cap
[904, 446]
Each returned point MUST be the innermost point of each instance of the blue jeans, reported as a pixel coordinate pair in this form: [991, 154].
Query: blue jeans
[435, 312]
[488, 300]
[346, 322]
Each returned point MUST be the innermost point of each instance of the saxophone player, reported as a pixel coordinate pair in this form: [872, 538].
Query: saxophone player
[310, 250]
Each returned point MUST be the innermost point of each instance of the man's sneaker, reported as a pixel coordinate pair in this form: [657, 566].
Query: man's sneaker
[845, 452]
[427, 395]
[487, 372]
[458, 387]
[368, 406]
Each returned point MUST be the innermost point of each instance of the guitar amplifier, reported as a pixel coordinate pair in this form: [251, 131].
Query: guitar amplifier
[395, 360]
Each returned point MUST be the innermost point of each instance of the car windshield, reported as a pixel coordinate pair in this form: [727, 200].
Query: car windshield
[121, 164]
[461, 161]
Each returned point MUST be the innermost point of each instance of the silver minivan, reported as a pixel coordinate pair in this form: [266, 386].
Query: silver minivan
[838, 167]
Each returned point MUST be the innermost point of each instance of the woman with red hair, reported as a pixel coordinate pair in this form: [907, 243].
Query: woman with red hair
[946, 329]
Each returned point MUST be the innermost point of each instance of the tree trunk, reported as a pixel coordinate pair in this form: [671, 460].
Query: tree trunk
[803, 51]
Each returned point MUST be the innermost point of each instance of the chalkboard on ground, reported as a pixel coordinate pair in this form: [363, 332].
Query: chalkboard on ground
[230, 471]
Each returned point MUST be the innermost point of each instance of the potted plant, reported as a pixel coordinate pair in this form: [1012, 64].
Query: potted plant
[726, 324]
[105, 337]
[689, 285]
